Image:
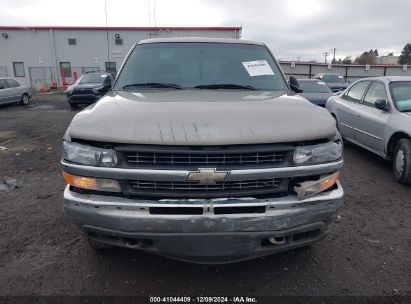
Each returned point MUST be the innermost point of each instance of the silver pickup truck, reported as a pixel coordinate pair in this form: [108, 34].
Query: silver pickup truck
[202, 152]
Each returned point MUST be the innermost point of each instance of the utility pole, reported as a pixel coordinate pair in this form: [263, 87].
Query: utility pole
[149, 15]
[154, 15]
[334, 50]
[108, 42]
[325, 56]
[298, 58]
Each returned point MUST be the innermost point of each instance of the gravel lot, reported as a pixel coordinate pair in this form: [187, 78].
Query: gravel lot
[366, 253]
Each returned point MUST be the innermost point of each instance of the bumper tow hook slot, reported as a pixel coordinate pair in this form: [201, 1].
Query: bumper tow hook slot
[132, 243]
[278, 240]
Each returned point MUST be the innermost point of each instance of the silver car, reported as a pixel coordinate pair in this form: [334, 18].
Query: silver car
[12, 91]
[375, 113]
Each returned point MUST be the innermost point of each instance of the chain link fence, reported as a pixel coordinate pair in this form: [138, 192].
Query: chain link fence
[44, 79]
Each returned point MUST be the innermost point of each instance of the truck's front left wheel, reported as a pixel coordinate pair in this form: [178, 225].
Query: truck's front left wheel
[99, 245]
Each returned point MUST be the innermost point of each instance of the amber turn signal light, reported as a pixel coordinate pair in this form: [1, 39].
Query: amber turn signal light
[91, 183]
[310, 188]
[330, 181]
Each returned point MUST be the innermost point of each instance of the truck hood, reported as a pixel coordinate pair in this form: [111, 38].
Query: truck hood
[201, 117]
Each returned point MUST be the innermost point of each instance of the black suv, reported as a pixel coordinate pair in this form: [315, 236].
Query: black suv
[89, 88]
[334, 81]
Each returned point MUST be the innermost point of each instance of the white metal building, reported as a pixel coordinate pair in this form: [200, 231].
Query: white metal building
[350, 72]
[38, 55]
[387, 59]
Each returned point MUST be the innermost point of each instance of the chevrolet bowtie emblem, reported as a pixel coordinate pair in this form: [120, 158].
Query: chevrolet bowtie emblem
[207, 176]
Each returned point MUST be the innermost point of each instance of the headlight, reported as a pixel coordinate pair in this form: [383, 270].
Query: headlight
[323, 153]
[88, 155]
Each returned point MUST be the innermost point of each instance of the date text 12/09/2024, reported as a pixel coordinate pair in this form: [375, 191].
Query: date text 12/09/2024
[203, 299]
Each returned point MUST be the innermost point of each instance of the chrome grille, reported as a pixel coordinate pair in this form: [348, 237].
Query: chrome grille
[194, 189]
[83, 91]
[207, 159]
[230, 157]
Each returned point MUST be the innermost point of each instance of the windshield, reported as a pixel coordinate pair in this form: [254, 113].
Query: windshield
[228, 66]
[93, 78]
[401, 94]
[309, 86]
[333, 78]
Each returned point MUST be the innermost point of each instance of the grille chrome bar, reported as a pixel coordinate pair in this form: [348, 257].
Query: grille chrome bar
[229, 157]
[159, 159]
[194, 189]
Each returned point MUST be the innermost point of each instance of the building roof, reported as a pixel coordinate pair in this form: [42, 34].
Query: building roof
[124, 28]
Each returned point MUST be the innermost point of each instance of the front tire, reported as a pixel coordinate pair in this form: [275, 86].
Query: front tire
[73, 106]
[402, 161]
[25, 99]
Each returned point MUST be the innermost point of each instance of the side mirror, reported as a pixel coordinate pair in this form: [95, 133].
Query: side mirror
[381, 104]
[294, 85]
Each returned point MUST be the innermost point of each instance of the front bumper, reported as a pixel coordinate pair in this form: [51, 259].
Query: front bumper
[207, 237]
[83, 98]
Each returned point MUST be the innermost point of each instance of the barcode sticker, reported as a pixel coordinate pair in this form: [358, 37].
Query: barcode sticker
[258, 68]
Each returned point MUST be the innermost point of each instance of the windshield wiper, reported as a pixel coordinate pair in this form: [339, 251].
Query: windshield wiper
[225, 86]
[154, 85]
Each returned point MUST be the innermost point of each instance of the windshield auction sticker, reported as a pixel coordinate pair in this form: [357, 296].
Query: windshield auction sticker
[258, 68]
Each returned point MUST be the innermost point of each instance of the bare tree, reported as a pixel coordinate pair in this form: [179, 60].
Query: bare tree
[347, 60]
[367, 57]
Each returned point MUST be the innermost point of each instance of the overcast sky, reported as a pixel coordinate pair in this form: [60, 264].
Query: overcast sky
[291, 28]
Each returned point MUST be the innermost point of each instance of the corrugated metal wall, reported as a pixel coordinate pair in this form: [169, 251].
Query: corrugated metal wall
[47, 48]
[350, 72]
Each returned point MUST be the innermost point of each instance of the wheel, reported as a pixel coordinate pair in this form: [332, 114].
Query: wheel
[73, 105]
[98, 245]
[402, 161]
[25, 99]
